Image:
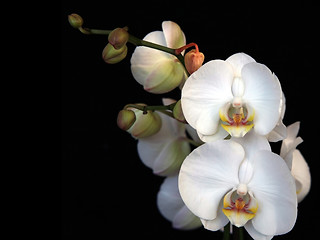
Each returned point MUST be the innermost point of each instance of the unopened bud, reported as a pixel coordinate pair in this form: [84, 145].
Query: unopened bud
[193, 60]
[112, 55]
[118, 37]
[126, 119]
[146, 124]
[177, 112]
[75, 20]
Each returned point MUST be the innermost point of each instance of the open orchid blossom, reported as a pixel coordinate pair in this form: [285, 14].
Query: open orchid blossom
[172, 207]
[295, 161]
[237, 94]
[165, 151]
[241, 181]
[157, 71]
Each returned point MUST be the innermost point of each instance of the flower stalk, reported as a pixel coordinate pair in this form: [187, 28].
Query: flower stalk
[135, 41]
[145, 109]
[226, 232]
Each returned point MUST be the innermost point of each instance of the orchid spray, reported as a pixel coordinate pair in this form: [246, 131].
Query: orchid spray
[212, 144]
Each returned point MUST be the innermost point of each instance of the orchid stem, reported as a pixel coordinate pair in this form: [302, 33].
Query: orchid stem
[226, 232]
[238, 233]
[241, 235]
[94, 31]
[138, 42]
[145, 109]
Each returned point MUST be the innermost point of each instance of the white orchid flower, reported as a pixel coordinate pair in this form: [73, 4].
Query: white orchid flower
[237, 94]
[165, 151]
[172, 207]
[241, 181]
[157, 71]
[295, 161]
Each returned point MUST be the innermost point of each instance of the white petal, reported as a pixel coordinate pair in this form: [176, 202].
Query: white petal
[204, 93]
[193, 133]
[165, 151]
[186, 220]
[168, 162]
[237, 61]
[162, 77]
[293, 130]
[168, 101]
[254, 233]
[273, 187]
[300, 171]
[148, 56]
[218, 135]
[289, 144]
[172, 207]
[207, 174]
[156, 37]
[252, 142]
[278, 133]
[173, 34]
[219, 222]
[263, 94]
[291, 141]
[169, 201]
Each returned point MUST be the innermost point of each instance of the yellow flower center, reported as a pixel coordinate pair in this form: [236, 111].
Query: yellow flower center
[237, 121]
[239, 208]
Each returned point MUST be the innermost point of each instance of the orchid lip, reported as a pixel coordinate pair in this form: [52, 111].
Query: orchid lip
[239, 208]
[237, 121]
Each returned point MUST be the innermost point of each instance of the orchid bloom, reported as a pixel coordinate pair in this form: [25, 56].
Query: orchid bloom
[172, 208]
[237, 94]
[239, 180]
[165, 151]
[157, 71]
[295, 161]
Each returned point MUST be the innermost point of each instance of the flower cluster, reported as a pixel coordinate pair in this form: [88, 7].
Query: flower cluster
[212, 144]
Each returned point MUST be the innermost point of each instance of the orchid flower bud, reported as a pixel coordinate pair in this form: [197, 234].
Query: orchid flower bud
[118, 37]
[111, 55]
[146, 124]
[75, 20]
[193, 60]
[126, 119]
[177, 112]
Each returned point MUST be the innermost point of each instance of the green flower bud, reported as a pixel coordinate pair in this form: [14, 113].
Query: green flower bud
[126, 119]
[177, 112]
[118, 37]
[75, 20]
[111, 55]
[146, 124]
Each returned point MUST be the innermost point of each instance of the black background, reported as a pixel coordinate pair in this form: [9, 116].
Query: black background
[105, 188]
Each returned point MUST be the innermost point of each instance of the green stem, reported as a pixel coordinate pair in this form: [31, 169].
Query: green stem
[226, 232]
[138, 42]
[94, 31]
[238, 233]
[241, 235]
[145, 109]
